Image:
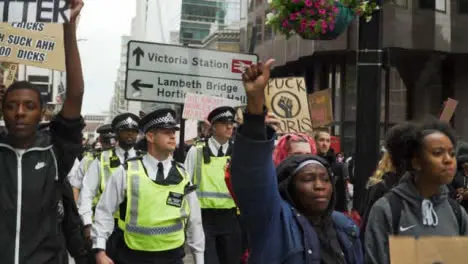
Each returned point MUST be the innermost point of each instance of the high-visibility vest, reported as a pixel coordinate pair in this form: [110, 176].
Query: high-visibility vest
[156, 215]
[212, 191]
[88, 159]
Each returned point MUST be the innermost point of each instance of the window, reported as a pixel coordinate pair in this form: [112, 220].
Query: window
[259, 27]
[463, 6]
[268, 33]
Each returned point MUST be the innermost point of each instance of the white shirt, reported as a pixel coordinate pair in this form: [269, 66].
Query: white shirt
[114, 195]
[191, 159]
[73, 170]
[91, 183]
[76, 179]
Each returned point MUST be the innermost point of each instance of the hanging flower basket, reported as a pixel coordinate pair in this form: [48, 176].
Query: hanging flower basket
[317, 19]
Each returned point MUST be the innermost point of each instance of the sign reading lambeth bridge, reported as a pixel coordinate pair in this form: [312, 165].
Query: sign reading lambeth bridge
[166, 73]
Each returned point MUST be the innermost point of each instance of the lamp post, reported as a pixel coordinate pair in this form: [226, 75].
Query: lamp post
[369, 67]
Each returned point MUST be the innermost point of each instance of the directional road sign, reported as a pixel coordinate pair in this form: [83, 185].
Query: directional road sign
[165, 73]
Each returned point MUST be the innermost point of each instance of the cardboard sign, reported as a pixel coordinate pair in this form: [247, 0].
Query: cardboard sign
[198, 106]
[449, 109]
[287, 99]
[48, 11]
[9, 75]
[321, 109]
[428, 250]
[35, 44]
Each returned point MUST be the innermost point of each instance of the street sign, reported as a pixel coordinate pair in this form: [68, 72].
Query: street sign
[166, 73]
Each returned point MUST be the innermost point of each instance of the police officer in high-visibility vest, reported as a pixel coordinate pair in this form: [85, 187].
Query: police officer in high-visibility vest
[107, 139]
[125, 127]
[157, 204]
[206, 165]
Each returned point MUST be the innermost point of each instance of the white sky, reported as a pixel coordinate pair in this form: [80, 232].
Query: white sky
[102, 23]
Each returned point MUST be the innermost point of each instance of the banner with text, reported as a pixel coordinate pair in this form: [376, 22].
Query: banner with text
[321, 109]
[198, 106]
[287, 99]
[35, 44]
[47, 11]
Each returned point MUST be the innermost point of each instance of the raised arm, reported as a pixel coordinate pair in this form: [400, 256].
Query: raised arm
[252, 171]
[75, 84]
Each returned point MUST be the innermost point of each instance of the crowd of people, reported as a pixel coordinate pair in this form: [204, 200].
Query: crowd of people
[243, 193]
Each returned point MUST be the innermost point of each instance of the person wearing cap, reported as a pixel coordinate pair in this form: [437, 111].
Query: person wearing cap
[287, 211]
[205, 163]
[157, 202]
[125, 126]
[106, 137]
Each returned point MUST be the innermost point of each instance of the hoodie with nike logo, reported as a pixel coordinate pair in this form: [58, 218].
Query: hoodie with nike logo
[419, 217]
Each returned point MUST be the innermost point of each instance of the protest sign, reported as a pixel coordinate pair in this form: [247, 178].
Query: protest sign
[9, 75]
[35, 44]
[48, 11]
[287, 99]
[425, 250]
[449, 109]
[198, 106]
[321, 110]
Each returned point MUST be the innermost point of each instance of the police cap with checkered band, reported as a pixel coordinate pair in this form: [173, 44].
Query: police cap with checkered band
[222, 114]
[105, 130]
[161, 118]
[125, 121]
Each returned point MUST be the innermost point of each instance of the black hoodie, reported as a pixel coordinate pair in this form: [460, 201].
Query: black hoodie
[330, 248]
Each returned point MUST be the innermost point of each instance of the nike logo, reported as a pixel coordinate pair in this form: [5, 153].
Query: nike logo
[40, 165]
[403, 229]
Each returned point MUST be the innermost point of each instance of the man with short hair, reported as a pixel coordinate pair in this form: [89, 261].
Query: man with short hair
[125, 127]
[34, 164]
[106, 137]
[206, 164]
[159, 210]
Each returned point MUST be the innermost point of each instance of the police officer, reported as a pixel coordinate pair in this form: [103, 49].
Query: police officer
[158, 204]
[106, 137]
[206, 165]
[125, 127]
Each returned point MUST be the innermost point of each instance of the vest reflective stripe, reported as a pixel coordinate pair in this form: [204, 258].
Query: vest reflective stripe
[105, 171]
[151, 224]
[212, 190]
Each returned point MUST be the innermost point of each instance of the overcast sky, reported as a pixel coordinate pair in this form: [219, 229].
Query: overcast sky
[102, 23]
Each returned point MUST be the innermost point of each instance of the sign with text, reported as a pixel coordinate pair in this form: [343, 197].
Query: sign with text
[47, 11]
[321, 109]
[425, 250]
[166, 73]
[198, 107]
[35, 44]
[449, 109]
[9, 75]
[287, 99]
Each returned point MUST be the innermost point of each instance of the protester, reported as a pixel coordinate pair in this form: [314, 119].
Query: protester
[289, 217]
[157, 202]
[293, 144]
[459, 185]
[34, 164]
[419, 205]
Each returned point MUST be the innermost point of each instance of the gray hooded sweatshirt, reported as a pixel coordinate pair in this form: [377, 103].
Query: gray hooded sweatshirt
[419, 217]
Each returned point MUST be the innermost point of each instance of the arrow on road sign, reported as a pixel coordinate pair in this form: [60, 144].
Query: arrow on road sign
[137, 85]
[139, 53]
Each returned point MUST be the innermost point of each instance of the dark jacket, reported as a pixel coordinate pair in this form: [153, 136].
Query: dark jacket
[31, 194]
[278, 233]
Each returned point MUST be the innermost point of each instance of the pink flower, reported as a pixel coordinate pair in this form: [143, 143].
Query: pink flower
[312, 23]
[331, 26]
[308, 3]
[312, 11]
[293, 16]
[317, 5]
[324, 30]
[335, 10]
[295, 1]
[323, 24]
[322, 11]
[285, 23]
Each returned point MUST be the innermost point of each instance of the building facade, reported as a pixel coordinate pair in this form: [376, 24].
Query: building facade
[425, 50]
